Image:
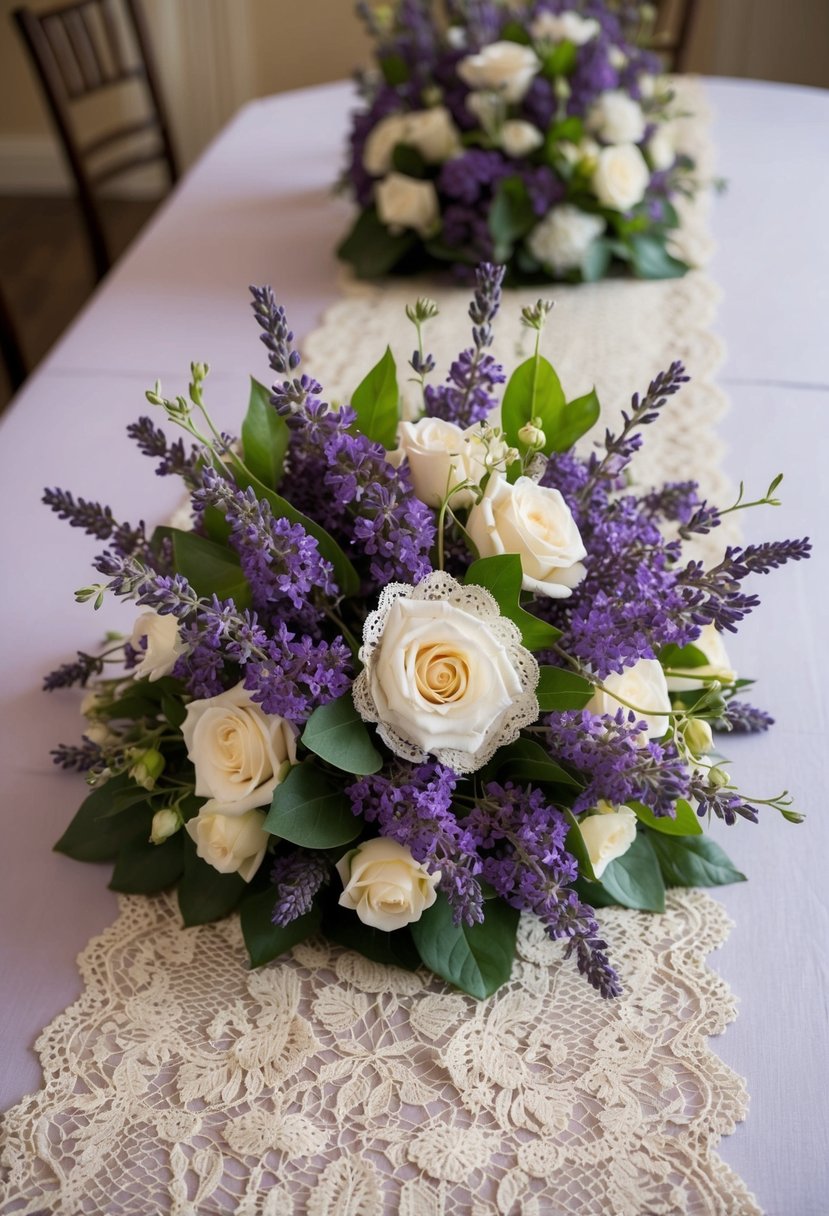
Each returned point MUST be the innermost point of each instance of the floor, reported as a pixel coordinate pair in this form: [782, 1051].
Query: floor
[45, 267]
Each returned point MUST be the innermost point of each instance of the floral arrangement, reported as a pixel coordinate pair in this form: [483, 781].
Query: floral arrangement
[540, 137]
[399, 681]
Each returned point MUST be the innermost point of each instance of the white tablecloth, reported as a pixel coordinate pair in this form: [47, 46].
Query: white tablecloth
[258, 207]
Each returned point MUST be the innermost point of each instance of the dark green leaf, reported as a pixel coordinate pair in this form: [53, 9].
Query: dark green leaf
[264, 437]
[395, 69]
[516, 31]
[372, 249]
[475, 958]
[686, 822]
[376, 402]
[310, 809]
[560, 61]
[391, 949]
[694, 861]
[511, 216]
[174, 710]
[526, 760]
[634, 880]
[651, 259]
[534, 391]
[96, 833]
[264, 939]
[205, 895]
[569, 129]
[578, 417]
[210, 568]
[575, 844]
[337, 733]
[559, 689]
[596, 261]
[143, 868]
[407, 160]
[501, 575]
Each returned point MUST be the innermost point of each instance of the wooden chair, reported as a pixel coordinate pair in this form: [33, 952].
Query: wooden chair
[672, 32]
[10, 347]
[78, 49]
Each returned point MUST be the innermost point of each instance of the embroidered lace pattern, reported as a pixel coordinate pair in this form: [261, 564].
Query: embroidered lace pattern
[182, 1083]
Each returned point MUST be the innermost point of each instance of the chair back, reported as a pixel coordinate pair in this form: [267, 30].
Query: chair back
[82, 48]
[10, 347]
[672, 32]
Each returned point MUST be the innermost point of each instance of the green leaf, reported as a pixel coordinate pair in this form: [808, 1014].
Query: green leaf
[559, 689]
[575, 844]
[144, 868]
[634, 880]
[475, 958]
[579, 415]
[376, 402]
[265, 940]
[680, 657]
[309, 809]
[174, 710]
[596, 261]
[526, 760]
[534, 391]
[210, 568]
[98, 830]
[501, 575]
[395, 69]
[651, 260]
[205, 895]
[694, 861]
[516, 31]
[265, 437]
[686, 822]
[407, 160]
[570, 129]
[511, 216]
[560, 61]
[391, 949]
[335, 732]
[372, 249]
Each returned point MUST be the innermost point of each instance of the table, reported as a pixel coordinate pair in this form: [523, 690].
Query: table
[258, 207]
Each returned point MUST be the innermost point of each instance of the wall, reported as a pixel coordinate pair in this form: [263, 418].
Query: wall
[216, 54]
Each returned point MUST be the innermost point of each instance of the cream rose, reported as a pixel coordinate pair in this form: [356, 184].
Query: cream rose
[562, 239]
[237, 751]
[431, 132]
[437, 453]
[607, 835]
[230, 840]
[718, 666]
[506, 68]
[381, 142]
[536, 523]
[616, 118]
[661, 150]
[643, 687]
[156, 638]
[621, 177]
[444, 674]
[384, 884]
[405, 202]
[564, 27]
[519, 138]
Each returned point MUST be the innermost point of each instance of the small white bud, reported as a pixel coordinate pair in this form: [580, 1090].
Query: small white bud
[532, 436]
[165, 824]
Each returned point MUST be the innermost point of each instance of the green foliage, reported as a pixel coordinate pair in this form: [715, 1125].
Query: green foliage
[694, 861]
[632, 880]
[335, 732]
[376, 402]
[407, 160]
[310, 809]
[475, 958]
[100, 827]
[391, 949]
[526, 760]
[576, 845]
[651, 260]
[686, 822]
[559, 689]
[501, 575]
[372, 249]
[597, 261]
[264, 437]
[578, 417]
[533, 391]
[560, 61]
[143, 868]
[209, 567]
[265, 940]
[205, 895]
[395, 69]
[682, 656]
[511, 216]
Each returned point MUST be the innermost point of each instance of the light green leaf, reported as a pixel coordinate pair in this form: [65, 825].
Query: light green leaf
[680, 657]
[686, 822]
[559, 690]
[534, 391]
[694, 861]
[526, 760]
[265, 437]
[376, 403]
[335, 732]
[575, 844]
[579, 415]
[475, 958]
[210, 568]
[634, 880]
[309, 809]
[501, 575]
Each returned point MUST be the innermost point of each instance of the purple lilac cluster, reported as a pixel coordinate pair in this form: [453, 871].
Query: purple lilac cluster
[468, 394]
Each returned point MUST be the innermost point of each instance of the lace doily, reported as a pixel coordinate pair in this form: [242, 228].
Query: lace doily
[182, 1083]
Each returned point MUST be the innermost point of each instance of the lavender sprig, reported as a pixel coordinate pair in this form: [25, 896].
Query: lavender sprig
[467, 396]
[173, 458]
[298, 877]
[96, 520]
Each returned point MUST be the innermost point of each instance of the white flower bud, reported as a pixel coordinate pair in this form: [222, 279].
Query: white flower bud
[165, 824]
[698, 737]
[532, 436]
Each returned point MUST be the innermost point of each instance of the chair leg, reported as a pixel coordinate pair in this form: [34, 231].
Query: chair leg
[10, 347]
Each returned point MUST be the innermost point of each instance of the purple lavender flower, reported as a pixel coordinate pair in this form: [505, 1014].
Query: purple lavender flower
[298, 876]
[467, 397]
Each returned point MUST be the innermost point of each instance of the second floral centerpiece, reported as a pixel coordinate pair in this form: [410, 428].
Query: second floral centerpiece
[540, 137]
[400, 681]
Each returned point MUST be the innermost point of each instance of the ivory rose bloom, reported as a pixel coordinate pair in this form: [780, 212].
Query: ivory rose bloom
[607, 835]
[444, 674]
[643, 686]
[405, 202]
[231, 841]
[237, 751]
[661, 150]
[621, 177]
[562, 239]
[564, 27]
[718, 667]
[617, 118]
[503, 67]
[431, 132]
[536, 523]
[384, 884]
[438, 460]
[519, 138]
[156, 637]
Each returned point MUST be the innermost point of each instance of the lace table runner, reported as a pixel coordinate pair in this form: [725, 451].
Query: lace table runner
[182, 1083]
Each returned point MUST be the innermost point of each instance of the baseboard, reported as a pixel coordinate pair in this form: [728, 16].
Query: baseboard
[34, 164]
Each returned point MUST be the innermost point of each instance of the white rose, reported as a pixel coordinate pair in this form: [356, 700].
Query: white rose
[237, 750]
[616, 118]
[438, 460]
[536, 523]
[503, 67]
[608, 835]
[718, 667]
[488, 108]
[486, 450]
[564, 27]
[384, 884]
[617, 58]
[444, 673]
[381, 142]
[647, 85]
[433, 133]
[561, 240]
[519, 138]
[661, 150]
[621, 177]
[156, 638]
[405, 202]
[643, 687]
[230, 840]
